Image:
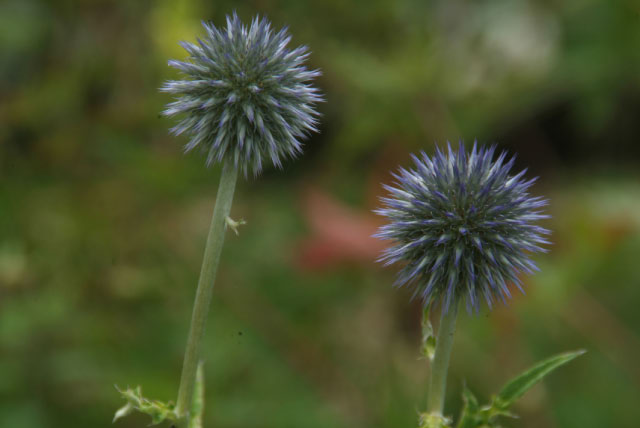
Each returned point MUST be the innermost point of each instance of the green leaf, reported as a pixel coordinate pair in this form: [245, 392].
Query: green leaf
[521, 384]
[470, 415]
[475, 416]
[197, 406]
[123, 411]
[428, 336]
[157, 410]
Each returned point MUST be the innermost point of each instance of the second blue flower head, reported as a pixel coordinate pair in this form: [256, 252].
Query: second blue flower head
[462, 226]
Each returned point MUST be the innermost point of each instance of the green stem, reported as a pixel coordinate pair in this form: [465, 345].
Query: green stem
[440, 363]
[208, 272]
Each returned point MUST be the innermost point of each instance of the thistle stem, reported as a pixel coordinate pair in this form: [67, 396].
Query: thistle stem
[208, 272]
[440, 363]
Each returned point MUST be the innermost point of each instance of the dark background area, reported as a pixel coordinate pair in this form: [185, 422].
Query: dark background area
[103, 219]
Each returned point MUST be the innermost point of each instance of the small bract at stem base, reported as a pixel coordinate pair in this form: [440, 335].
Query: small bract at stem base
[428, 420]
[440, 363]
[208, 272]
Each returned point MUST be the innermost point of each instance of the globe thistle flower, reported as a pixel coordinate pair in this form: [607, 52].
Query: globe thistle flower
[245, 97]
[462, 225]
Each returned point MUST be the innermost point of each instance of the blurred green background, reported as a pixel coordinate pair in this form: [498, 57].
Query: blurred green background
[103, 219]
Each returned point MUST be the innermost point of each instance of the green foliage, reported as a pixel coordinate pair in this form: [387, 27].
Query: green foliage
[100, 215]
[428, 335]
[521, 384]
[161, 411]
[473, 415]
[158, 410]
[476, 416]
[471, 409]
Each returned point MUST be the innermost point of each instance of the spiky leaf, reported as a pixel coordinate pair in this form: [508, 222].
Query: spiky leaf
[515, 388]
[158, 411]
[470, 417]
[475, 416]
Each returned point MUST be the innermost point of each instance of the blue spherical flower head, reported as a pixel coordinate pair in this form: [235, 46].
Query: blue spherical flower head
[462, 226]
[246, 97]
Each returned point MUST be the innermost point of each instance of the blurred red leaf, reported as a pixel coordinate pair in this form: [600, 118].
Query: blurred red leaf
[338, 233]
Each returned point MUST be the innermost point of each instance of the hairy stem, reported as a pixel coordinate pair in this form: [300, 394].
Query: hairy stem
[440, 363]
[208, 272]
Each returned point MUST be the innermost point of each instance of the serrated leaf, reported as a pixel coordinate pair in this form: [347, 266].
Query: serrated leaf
[470, 400]
[470, 415]
[197, 406]
[522, 383]
[475, 416]
[157, 410]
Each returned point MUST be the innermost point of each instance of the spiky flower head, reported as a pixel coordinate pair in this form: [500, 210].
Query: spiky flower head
[245, 97]
[462, 226]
